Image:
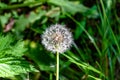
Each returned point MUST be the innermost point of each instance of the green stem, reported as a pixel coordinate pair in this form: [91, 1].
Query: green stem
[57, 67]
[89, 36]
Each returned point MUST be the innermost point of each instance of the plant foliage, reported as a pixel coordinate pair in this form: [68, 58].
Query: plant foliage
[95, 54]
[11, 61]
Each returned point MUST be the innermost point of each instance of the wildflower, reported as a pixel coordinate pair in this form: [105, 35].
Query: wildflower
[57, 38]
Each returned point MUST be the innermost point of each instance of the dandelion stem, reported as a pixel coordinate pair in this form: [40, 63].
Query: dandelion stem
[57, 67]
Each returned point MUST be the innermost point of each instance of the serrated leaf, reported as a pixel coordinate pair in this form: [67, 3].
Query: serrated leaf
[11, 66]
[5, 42]
[18, 49]
[11, 61]
[6, 47]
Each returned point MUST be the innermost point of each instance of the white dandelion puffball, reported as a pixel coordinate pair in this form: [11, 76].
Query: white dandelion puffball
[57, 38]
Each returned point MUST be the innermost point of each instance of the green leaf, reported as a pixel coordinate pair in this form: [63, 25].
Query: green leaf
[92, 12]
[95, 78]
[13, 1]
[7, 47]
[18, 49]
[54, 12]
[2, 5]
[11, 61]
[78, 29]
[21, 23]
[4, 19]
[11, 66]
[5, 42]
[69, 6]
[36, 16]
[84, 65]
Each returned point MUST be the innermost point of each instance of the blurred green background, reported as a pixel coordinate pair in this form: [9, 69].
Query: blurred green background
[95, 24]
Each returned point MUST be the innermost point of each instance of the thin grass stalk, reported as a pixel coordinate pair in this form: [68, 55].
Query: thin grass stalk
[57, 66]
[89, 36]
[113, 35]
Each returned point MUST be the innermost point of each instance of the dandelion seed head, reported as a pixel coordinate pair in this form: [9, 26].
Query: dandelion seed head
[57, 38]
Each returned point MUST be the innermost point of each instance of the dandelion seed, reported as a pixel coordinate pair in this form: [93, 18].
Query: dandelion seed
[57, 38]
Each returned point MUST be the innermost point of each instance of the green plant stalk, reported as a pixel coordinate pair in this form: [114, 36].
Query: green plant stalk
[50, 76]
[83, 65]
[89, 36]
[116, 42]
[36, 3]
[57, 66]
[110, 73]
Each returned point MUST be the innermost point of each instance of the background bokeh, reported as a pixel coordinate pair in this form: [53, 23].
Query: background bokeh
[95, 25]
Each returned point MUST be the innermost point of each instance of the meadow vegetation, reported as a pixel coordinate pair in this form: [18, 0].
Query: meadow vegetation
[94, 55]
